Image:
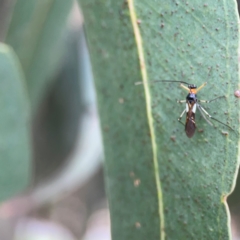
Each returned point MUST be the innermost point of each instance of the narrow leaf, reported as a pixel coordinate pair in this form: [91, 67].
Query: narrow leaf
[15, 149]
[162, 184]
[36, 34]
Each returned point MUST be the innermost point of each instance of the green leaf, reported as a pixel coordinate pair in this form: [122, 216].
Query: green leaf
[15, 150]
[36, 33]
[162, 184]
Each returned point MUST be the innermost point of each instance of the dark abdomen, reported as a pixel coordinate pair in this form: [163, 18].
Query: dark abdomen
[190, 125]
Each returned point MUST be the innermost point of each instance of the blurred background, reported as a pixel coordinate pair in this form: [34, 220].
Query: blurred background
[65, 198]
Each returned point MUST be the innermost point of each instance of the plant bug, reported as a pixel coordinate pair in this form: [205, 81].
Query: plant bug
[192, 104]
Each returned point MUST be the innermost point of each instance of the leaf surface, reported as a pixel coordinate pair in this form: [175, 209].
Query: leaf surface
[162, 184]
[36, 33]
[15, 149]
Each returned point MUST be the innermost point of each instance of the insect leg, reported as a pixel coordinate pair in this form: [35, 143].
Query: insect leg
[202, 113]
[180, 117]
[181, 101]
[208, 101]
[200, 107]
[203, 85]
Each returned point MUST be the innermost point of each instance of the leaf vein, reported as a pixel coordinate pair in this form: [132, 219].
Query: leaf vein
[139, 44]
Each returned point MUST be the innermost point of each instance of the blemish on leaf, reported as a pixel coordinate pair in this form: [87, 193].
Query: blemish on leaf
[106, 128]
[131, 174]
[139, 21]
[224, 133]
[137, 224]
[166, 210]
[137, 182]
[173, 138]
[121, 100]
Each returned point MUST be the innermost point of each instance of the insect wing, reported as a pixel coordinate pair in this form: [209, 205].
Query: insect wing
[190, 125]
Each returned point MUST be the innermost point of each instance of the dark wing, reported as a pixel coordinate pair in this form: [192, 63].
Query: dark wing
[190, 125]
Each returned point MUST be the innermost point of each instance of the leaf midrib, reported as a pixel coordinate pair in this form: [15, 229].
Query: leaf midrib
[138, 40]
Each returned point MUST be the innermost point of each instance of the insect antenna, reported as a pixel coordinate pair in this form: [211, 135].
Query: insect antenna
[156, 81]
[223, 123]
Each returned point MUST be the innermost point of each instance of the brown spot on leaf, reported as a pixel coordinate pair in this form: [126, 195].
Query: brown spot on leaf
[137, 182]
[137, 224]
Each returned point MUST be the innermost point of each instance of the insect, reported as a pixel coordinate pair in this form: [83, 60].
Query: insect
[192, 104]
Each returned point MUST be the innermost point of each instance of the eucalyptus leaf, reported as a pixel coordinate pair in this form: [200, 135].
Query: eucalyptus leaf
[15, 149]
[36, 33]
[160, 183]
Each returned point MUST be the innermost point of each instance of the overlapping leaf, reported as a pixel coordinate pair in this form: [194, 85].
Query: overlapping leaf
[161, 184]
[15, 149]
[36, 33]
